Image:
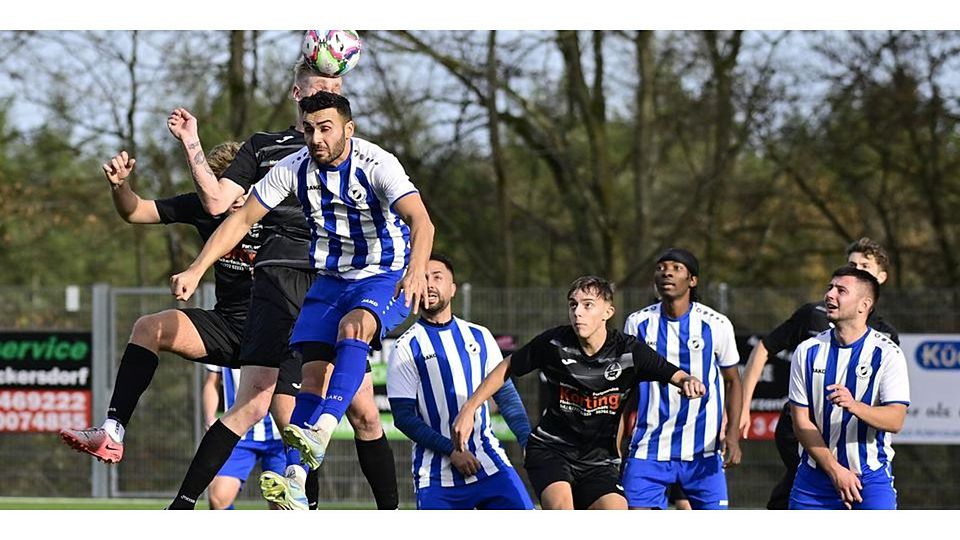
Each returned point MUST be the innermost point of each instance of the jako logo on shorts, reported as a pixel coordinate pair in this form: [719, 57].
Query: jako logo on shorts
[939, 355]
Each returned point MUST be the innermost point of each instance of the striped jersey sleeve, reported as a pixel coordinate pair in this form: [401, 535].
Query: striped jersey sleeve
[798, 381]
[403, 381]
[726, 342]
[390, 181]
[281, 181]
[494, 356]
[894, 384]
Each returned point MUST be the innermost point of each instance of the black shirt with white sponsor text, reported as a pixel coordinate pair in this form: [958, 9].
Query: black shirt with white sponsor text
[233, 273]
[810, 320]
[286, 236]
[586, 394]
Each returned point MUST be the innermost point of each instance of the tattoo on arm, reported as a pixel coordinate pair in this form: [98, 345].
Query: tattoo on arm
[201, 161]
[193, 145]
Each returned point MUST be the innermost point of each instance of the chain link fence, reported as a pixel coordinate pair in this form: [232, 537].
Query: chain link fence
[164, 431]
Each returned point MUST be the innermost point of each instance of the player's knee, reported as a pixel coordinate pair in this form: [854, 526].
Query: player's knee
[258, 409]
[221, 496]
[358, 324]
[219, 500]
[147, 331]
[243, 415]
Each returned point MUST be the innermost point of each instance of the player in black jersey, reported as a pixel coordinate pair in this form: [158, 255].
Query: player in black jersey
[283, 274]
[572, 457]
[808, 321]
[205, 336]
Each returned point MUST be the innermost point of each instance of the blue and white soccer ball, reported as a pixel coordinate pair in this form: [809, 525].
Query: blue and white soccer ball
[333, 53]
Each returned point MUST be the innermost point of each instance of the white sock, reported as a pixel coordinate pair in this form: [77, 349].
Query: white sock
[114, 429]
[298, 473]
[324, 428]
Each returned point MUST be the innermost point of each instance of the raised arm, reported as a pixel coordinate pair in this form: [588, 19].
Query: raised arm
[227, 235]
[463, 425]
[129, 205]
[410, 208]
[216, 194]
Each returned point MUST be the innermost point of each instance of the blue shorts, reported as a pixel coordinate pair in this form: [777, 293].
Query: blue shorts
[813, 490]
[246, 454]
[501, 491]
[645, 482]
[330, 298]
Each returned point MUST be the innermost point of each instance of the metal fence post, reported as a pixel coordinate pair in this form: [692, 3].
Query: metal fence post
[101, 355]
[465, 289]
[207, 300]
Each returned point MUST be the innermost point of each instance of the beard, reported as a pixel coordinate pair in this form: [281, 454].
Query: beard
[335, 151]
[439, 306]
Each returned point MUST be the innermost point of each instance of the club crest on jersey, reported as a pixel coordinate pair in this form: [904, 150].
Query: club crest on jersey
[357, 194]
[695, 344]
[473, 347]
[613, 370]
[864, 371]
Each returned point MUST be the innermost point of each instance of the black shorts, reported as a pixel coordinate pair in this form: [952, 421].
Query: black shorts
[275, 302]
[546, 465]
[220, 334]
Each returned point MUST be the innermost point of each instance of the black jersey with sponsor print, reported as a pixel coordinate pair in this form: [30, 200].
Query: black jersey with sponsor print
[587, 394]
[233, 273]
[810, 320]
[286, 237]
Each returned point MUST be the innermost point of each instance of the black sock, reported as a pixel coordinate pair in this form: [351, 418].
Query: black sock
[313, 488]
[376, 462]
[133, 377]
[215, 449]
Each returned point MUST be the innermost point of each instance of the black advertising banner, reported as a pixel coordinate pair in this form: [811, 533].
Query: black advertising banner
[45, 380]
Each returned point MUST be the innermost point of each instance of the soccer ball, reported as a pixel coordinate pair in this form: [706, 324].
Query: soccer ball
[332, 52]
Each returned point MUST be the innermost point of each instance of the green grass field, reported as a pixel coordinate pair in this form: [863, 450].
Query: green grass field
[41, 503]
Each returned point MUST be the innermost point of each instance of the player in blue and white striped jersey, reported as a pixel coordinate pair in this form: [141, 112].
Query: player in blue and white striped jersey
[849, 392]
[434, 368]
[677, 441]
[262, 443]
[371, 237]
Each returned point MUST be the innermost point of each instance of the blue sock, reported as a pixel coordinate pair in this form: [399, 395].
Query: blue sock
[347, 376]
[231, 507]
[305, 413]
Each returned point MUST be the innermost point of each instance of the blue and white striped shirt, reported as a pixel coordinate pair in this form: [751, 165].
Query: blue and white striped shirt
[440, 366]
[349, 208]
[265, 429]
[874, 369]
[700, 342]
